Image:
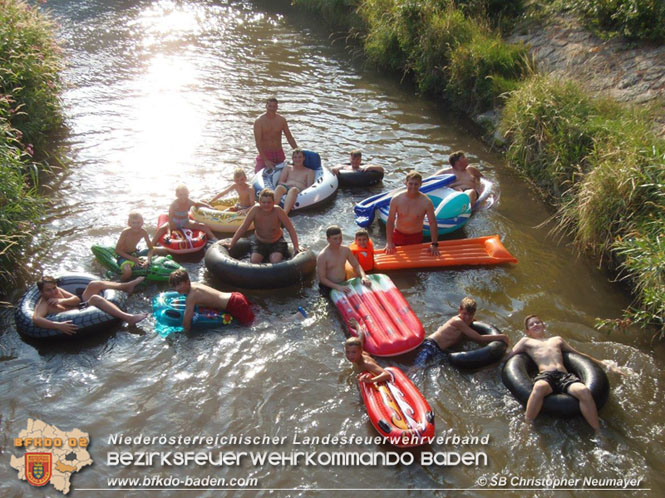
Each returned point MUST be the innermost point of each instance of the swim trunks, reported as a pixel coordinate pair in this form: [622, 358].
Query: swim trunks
[239, 308]
[289, 187]
[265, 249]
[124, 261]
[276, 156]
[407, 239]
[558, 381]
[325, 290]
[429, 352]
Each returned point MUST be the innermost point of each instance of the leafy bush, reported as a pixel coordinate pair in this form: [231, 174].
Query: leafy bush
[632, 19]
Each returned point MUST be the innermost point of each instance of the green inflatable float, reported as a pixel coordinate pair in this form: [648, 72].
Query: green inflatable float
[159, 270]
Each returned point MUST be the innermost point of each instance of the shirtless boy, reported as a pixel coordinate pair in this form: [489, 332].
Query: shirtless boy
[268, 129]
[467, 178]
[201, 295]
[268, 242]
[452, 332]
[368, 369]
[406, 215]
[293, 180]
[552, 375]
[331, 261]
[355, 164]
[54, 300]
[243, 189]
[128, 256]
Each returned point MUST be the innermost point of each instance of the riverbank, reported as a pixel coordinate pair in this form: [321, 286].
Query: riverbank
[29, 113]
[598, 161]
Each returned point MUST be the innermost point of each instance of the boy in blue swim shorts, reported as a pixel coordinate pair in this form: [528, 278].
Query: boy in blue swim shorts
[450, 333]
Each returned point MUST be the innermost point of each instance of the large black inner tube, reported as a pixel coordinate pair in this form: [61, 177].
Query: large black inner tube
[227, 266]
[482, 356]
[88, 320]
[350, 178]
[518, 373]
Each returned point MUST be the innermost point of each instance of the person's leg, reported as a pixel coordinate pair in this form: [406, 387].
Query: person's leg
[276, 257]
[203, 227]
[587, 403]
[290, 200]
[473, 195]
[279, 193]
[113, 310]
[97, 286]
[160, 231]
[126, 272]
[535, 402]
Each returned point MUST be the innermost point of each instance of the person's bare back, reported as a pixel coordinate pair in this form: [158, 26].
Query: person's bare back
[202, 295]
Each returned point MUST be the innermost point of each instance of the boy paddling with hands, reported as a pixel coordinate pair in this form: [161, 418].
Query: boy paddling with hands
[201, 295]
[331, 261]
[268, 242]
[452, 332]
[406, 215]
[368, 369]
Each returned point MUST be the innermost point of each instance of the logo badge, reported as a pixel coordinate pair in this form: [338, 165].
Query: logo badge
[38, 468]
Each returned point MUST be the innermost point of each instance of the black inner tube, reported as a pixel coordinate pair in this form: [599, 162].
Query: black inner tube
[482, 356]
[518, 373]
[231, 269]
[350, 178]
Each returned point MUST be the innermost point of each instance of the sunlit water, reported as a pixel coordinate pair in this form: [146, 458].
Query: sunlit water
[159, 93]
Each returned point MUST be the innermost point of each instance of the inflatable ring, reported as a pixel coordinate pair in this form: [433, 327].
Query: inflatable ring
[350, 178]
[480, 357]
[225, 265]
[518, 372]
[88, 320]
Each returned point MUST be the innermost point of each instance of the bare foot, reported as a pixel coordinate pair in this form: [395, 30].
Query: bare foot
[133, 283]
[137, 318]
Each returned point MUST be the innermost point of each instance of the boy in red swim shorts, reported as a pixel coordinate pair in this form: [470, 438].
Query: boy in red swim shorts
[201, 295]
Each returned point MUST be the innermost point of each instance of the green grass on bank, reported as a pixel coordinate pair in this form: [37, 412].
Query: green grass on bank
[596, 160]
[29, 112]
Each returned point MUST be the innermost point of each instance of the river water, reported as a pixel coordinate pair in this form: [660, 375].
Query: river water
[163, 92]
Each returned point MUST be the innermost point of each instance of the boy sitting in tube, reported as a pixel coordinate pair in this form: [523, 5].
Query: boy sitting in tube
[243, 189]
[355, 164]
[201, 295]
[452, 332]
[125, 248]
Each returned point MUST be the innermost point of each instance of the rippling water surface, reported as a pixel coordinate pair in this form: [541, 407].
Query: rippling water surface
[161, 92]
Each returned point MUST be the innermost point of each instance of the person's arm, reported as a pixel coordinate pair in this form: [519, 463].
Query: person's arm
[519, 347]
[151, 249]
[310, 178]
[433, 230]
[289, 137]
[189, 313]
[222, 193]
[286, 222]
[199, 204]
[444, 171]
[567, 347]
[360, 272]
[377, 374]
[283, 177]
[390, 227]
[258, 140]
[240, 231]
[480, 338]
[120, 252]
[40, 320]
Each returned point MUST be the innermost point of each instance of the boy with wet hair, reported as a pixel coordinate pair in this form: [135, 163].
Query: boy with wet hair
[452, 332]
[243, 189]
[125, 248]
[368, 369]
[201, 295]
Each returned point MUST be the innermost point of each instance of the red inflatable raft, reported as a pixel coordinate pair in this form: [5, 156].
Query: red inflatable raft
[182, 241]
[398, 410]
[392, 327]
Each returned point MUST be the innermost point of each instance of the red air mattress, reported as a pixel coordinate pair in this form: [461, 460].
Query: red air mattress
[398, 410]
[181, 241]
[392, 327]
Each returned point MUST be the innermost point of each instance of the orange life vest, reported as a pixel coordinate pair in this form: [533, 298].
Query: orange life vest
[364, 255]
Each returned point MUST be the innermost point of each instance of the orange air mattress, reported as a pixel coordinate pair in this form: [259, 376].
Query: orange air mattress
[479, 251]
